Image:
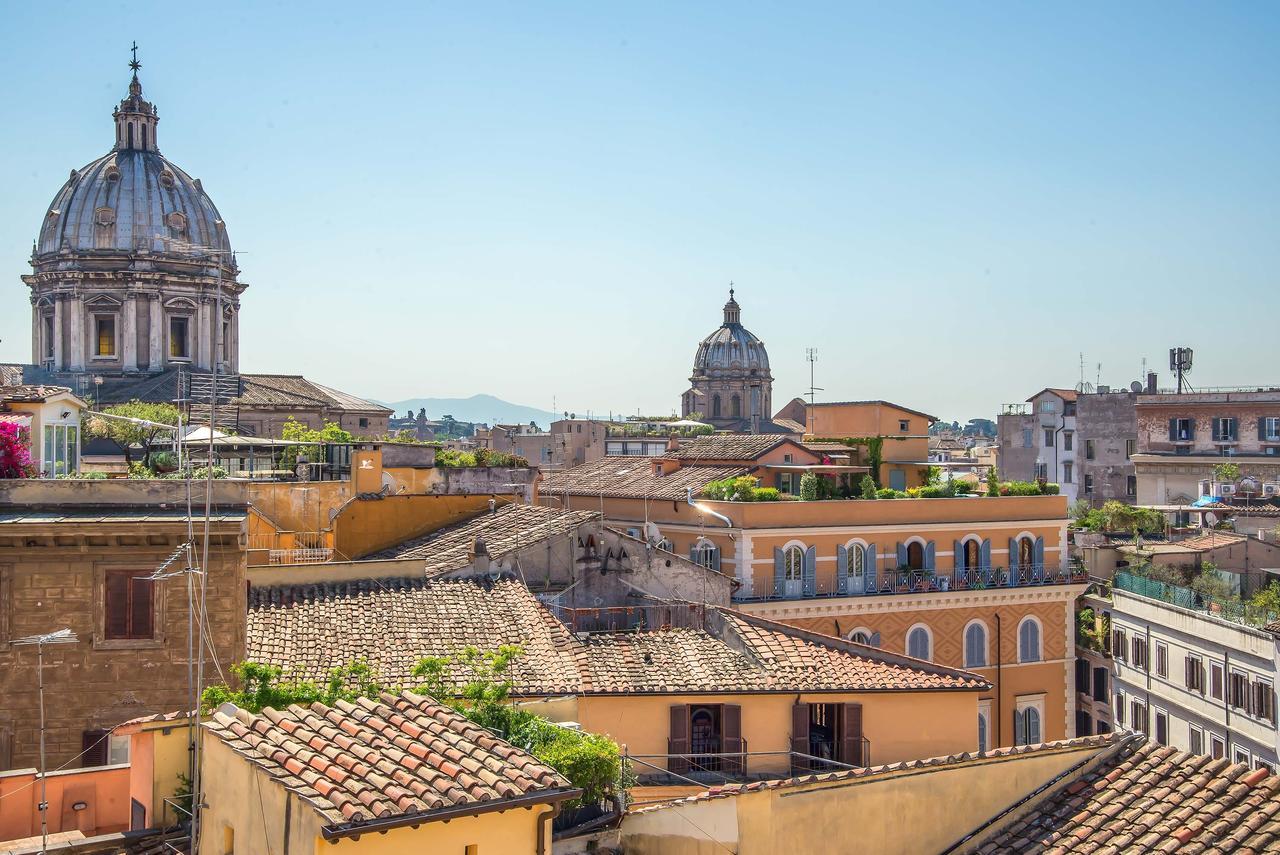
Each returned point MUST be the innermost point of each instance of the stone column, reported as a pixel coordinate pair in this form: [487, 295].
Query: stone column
[77, 333]
[204, 358]
[233, 357]
[129, 332]
[58, 316]
[155, 356]
[37, 344]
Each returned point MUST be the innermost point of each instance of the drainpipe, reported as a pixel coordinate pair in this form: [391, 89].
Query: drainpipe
[544, 819]
[999, 683]
[689, 493]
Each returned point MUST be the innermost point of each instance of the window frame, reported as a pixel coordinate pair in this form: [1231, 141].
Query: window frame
[100, 640]
[1022, 704]
[980, 625]
[186, 337]
[1217, 681]
[96, 318]
[1217, 746]
[1160, 722]
[1031, 620]
[928, 634]
[1195, 738]
[787, 552]
[1088, 484]
[1162, 659]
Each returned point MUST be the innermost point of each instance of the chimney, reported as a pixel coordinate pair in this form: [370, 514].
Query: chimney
[480, 557]
[1151, 383]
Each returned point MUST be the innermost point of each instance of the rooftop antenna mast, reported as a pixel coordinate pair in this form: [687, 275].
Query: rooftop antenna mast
[62, 636]
[811, 356]
[1180, 365]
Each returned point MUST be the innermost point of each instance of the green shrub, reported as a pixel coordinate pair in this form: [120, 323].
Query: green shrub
[740, 489]
[766, 494]
[809, 487]
[868, 487]
[888, 493]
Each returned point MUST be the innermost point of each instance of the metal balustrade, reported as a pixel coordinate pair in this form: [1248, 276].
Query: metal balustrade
[925, 581]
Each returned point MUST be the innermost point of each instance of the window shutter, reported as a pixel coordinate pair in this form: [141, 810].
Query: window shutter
[94, 745]
[871, 572]
[902, 555]
[1019, 728]
[693, 553]
[875, 639]
[930, 555]
[1013, 558]
[116, 604]
[1039, 551]
[1234, 425]
[141, 612]
[1262, 427]
[731, 726]
[1217, 433]
[1186, 672]
[810, 572]
[851, 735]
[779, 571]
[957, 558]
[678, 738]
[715, 559]
[984, 559]
[1173, 429]
[1191, 429]
[799, 737]
[842, 570]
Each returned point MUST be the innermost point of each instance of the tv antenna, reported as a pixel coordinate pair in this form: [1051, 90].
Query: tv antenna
[811, 355]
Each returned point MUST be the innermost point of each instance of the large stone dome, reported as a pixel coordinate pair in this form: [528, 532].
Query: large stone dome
[732, 348]
[129, 201]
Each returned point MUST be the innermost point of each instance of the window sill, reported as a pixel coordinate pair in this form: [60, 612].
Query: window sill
[128, 643]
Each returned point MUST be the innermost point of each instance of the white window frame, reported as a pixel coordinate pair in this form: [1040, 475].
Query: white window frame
[94, 316]
[117, 750]
[1156, 714]
[1238, 751]
[1195, 734]
[1219, 743]
[787, 552]
[928, 636]
[863, 631]
[1022, 703]
[1162, 656]
[984, 725]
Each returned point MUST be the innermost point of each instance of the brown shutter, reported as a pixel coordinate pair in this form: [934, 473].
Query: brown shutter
[731, 729]
[93, 744]
[678, 740]
[851, 735]
[141, 611]
[1186, 672]
[116, 604]
[800, 737]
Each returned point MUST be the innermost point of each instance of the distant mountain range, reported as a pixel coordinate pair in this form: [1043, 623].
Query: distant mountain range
[477, 408]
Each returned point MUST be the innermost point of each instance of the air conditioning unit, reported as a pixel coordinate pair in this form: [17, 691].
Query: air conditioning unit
[1270, 489]
[1223, 490]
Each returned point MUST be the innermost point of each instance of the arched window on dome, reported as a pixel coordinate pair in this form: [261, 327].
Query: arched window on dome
[735, 406]
[130, 135]
[144, 137]
[715, 406]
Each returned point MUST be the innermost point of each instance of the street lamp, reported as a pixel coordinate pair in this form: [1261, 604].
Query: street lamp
[61, 636]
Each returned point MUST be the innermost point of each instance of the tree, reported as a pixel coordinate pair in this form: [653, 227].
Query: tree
[15, 452]
[1226, 472]
[149, 427]
[868, 487]
[1210, 584]
[1268, 599]
[809, 487]
[993, 482]
[295, 431]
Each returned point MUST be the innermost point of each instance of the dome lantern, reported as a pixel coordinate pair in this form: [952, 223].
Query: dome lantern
[136, 118]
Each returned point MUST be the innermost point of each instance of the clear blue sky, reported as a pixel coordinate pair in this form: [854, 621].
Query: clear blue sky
[950, 201]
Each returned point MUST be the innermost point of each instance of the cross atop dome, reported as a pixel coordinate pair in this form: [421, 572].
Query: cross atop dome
[136, 117]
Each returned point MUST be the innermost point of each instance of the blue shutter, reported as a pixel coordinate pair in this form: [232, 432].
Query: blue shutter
[779, 572]
[1039, 555]
[810, 573]
[870, 570]
[930, 555]
[984, 556]
[715, 559]
[693, 553]
[1013, 559]
[957, 559]
[1019, 728]
[902, 555]
[842, 570]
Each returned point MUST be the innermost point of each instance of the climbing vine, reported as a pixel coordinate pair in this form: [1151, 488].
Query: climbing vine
[874, 446]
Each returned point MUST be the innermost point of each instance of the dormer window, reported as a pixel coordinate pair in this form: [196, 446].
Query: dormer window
[113, 173]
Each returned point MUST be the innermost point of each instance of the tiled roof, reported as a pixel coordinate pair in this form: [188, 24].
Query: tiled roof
[1152, 799]
[510, 525]
[20, 419]
[727, 446]
[1065, 394]
[881, 402]
[398, 757]
[1212, 540]
[632, 477]
[347, 401]
[31, 394]
[790, 425]
[392, 623]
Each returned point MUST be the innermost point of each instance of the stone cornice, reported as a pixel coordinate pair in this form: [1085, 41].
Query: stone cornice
[880, 603]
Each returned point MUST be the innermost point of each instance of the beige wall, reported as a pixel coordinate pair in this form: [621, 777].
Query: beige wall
[852, 815]
[104, 791]
[899, 725]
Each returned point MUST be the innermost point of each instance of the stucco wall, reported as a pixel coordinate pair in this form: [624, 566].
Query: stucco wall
[1110, 421]
[104, 791]
[364, 526]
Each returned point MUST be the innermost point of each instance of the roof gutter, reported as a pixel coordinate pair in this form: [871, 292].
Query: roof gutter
[555, 797]
[689, 495]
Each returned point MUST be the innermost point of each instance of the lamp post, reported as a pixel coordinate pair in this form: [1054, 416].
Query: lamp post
[61, 636]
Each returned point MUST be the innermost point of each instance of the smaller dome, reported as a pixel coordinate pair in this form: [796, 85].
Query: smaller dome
[731, 349]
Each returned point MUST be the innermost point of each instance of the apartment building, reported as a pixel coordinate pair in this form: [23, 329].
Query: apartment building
[1199, 676]
[1182, 437]
[1038, 441]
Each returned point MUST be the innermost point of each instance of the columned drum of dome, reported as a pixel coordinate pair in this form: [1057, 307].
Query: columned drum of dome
[125, 270]
[731, 386]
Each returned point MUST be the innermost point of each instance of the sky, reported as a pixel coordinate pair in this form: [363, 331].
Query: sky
[546, 202]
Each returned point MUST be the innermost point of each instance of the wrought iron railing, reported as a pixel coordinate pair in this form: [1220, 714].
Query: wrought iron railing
[924, 581]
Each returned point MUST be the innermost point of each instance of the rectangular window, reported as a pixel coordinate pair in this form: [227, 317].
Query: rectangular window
[1162, 727]
[1241, 755]
[1100, 691]
[1088, 485]
[1184, 430]
[364, 423]
[1259, 763]
[60, 454]
[1162, 659]
[1026, 438]
[1195, 740]
[1264, 703]
[117, 750]
[1268, 428]
[1118, 644]
[179, 344]
[1224, 430]
[1138, 716]
[1193, 674]
[128, 605]
[1090, 449]
[1048, 437]
[1131, 485]
[1217, 746]
[1066, 472]
[1120, 708]
[104, 335]
[1238, 690]
[1067, 440]
[1130, 448]
[1215, 680]
[47, 344]
[1139, 659]
[904, 425]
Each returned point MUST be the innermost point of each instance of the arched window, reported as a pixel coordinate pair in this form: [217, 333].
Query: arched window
[861, 635]
[975, 645]
[915, 555]
[794, 565]
[715, 406]
[919, 642]
[707, 554]
[144, 136]
[1026, 726]
[972, 555]
[735, 406]
[1029, 640]
[982, 733]
[130, 135]
[856, 565]
[1026, 551]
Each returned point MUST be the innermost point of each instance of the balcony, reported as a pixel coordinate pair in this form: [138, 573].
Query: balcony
[927, 581]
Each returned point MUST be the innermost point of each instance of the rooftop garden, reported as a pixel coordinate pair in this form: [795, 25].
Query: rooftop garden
[817, 488]
[1208, 591]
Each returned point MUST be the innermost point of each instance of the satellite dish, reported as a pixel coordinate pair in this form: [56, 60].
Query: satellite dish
[1135, 386]
[1211, 519]
[651, 533]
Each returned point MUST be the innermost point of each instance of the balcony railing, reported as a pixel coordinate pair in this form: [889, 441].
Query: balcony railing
[927, 581]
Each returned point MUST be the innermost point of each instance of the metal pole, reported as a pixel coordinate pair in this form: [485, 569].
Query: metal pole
[44, 799]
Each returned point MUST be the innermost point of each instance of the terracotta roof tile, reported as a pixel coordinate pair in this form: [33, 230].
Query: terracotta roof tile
[1150, 798]
[384, 758]
[734, 447]
[450, 548]
[632, 477]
